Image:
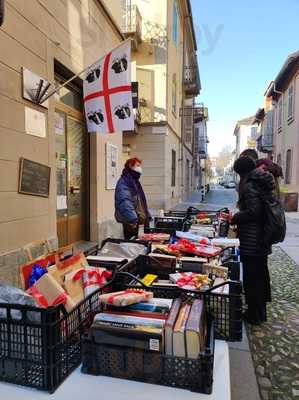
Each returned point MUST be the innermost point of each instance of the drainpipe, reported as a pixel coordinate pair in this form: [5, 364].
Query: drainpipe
[2, 12]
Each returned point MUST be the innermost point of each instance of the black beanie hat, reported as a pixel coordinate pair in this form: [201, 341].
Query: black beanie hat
[243, 165]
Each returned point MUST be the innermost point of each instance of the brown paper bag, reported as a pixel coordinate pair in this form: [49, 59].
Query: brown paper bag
[53, 292]
[74, 286]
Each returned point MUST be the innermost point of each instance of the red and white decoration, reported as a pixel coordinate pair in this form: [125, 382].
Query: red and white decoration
[108, 93]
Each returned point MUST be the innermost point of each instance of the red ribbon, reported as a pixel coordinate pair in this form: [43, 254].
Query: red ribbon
[186, 280]
[40, 298]
[100, 278]
[124, 292]
[78, 275]
[61, 299]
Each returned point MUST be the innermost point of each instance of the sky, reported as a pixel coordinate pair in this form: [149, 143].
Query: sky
[242, 46]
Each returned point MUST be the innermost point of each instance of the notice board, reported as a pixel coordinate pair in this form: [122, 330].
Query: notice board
[34, 178]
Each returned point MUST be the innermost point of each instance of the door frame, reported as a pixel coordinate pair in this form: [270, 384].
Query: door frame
[77, 115]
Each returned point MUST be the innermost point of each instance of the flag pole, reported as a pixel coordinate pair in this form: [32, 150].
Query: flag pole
[79, 73]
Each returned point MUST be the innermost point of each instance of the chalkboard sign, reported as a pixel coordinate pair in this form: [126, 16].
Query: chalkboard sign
[34, 178]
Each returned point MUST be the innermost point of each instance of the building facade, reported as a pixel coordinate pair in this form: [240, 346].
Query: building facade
[165, 67]
[52, 40]
[246, 133]
[283, 128]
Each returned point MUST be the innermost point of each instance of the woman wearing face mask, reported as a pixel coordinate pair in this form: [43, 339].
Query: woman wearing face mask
[130, 203]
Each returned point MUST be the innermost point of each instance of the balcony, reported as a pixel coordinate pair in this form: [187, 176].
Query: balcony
[132, 25]
[199, 113]
[202, 148]
[192, 80]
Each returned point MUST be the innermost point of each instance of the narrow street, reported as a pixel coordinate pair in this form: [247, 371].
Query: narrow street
[214, 200]
[265, 364]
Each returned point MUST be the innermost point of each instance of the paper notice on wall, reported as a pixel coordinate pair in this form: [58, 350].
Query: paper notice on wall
[59, 123]
[61, 203]
[35, 122]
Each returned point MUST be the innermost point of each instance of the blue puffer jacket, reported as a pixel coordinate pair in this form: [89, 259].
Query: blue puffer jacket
[125, 203]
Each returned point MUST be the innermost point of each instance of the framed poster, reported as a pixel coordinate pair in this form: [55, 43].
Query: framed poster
[35, 122]
[111, 166]
[34, 178]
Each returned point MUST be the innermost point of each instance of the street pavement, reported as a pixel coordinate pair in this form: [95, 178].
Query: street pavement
[265, 365]
[214, 200]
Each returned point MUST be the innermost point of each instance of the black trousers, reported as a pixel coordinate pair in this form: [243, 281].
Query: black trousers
[256, 280]
[130, 231]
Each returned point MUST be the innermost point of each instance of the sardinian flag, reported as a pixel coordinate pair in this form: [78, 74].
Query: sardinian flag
[108, 93]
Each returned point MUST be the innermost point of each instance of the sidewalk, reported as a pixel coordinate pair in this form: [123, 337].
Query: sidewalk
[290, 244]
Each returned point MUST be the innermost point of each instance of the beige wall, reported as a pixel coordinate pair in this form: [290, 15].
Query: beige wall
[174, 66]
[34, 33]
[172, 193]
[149, 145]
[288, 138]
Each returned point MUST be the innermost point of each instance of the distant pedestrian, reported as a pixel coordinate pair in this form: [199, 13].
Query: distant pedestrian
[130, 203]
[250, 220]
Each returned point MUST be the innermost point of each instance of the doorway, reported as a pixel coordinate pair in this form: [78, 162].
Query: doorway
[72, 175]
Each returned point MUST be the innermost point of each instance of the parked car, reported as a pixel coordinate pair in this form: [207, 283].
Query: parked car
[230, 185]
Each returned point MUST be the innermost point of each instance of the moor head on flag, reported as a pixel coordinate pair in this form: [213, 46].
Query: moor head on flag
[108, 93]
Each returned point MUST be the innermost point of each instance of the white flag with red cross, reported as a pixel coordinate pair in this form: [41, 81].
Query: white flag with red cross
[108, 94]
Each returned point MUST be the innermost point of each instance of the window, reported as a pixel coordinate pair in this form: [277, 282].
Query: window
[174, 94]
[288, 167]
[279, 116]
[291, 102]
[173, 167]
[175, 28]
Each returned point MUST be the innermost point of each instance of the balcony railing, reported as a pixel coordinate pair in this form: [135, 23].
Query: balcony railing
[132, 24]
[198, 113]
[192, 80]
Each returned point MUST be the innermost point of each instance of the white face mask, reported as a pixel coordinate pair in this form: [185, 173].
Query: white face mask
[137, 169]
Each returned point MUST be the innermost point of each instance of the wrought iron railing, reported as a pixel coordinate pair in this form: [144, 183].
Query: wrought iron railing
[132, 21]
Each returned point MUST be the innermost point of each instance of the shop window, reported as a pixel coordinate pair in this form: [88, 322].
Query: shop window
[173, 167]
[288, 174]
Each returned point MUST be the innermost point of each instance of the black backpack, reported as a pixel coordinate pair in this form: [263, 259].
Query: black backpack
[275, 223]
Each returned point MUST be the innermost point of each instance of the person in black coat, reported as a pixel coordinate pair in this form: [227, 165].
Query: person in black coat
[254, 251]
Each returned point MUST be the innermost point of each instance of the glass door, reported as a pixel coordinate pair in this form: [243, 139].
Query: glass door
[77, 151]
[71, 177]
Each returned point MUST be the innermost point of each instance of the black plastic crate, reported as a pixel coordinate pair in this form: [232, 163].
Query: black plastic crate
[39, 348]
[151, 367]
[226, 309]
[170, 224]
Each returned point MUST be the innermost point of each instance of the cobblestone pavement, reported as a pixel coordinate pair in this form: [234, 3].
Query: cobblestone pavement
[275, 345]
